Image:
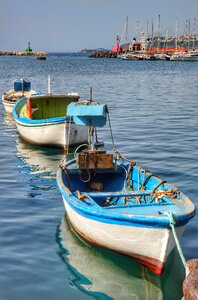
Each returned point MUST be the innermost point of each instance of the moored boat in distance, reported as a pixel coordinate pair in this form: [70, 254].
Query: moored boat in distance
[22, 88]
[41, 57]
[114, 203]
[43, 120]
[185, 56]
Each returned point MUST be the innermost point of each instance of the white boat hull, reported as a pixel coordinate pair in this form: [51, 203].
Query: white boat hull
[185, 57]
[150, 246]
[52, 134]
[11, 97]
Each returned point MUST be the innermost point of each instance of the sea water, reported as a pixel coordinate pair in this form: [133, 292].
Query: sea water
[154, 117]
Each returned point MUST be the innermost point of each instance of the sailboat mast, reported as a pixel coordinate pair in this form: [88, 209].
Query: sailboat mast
[194, 33]
[176, 37]
[188, 34]
[126, 33]
[158, 42]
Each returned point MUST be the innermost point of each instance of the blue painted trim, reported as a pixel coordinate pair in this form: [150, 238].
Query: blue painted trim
[27, 121]
[91, 210]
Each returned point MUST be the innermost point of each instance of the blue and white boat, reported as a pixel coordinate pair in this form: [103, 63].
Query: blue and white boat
[43, 120]
[114, 203]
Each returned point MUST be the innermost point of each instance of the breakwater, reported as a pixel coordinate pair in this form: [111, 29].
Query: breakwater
[103, 54]
[24, 53]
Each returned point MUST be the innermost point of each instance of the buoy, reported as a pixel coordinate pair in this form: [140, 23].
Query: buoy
[190, 284]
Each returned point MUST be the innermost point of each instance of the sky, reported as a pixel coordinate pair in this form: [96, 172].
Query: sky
[72, 25]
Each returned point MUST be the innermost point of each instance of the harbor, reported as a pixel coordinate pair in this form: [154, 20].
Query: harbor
[98, 150]
[33, 174]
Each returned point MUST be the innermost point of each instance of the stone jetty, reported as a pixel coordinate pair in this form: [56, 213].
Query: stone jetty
[190, 284]
[103, 54]
[24, 53]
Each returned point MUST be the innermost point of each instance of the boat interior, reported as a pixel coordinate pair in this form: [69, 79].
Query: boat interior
[120, 186]
[45, 106]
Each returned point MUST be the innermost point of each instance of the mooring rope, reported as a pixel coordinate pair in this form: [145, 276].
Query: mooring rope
[111, 132]
[172, 223]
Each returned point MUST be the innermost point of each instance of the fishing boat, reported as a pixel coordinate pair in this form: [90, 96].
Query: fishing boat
[22, 88]
[95, 272]
[112, 202]
[43, 120]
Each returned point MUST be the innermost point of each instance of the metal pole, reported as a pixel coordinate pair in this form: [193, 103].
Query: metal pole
[90, 95]
[49, 84]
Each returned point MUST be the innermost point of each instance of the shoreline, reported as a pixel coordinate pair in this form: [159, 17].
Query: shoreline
[23, 53]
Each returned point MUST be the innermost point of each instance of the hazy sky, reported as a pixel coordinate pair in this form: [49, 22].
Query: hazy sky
[71, 25]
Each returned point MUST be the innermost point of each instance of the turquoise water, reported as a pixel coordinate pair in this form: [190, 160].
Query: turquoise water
[154, 109]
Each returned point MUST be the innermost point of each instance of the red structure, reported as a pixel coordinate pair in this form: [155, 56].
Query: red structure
[166, 50]
[117, 48]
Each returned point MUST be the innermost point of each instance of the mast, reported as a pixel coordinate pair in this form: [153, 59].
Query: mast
[147, 29]
[152, 30]
[194, 33]
[158, 40]
[176, 37]
[49, 84]
[188, 34]
[137, 24]
[126, 33]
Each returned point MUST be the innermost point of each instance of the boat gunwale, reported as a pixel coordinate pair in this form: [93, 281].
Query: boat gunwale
[102, 214]
[28, 121]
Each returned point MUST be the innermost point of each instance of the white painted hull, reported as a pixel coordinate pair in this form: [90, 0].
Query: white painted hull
[105, 275]
[11, 97]
[150, 246]
[8, 106]
[52, 134]
[185, 57]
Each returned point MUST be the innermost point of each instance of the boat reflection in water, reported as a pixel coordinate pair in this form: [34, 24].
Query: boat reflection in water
[38, 159]
[8, 120]
[108, 275]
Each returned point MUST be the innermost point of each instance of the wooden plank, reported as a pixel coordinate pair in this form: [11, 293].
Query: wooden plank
[120, 194]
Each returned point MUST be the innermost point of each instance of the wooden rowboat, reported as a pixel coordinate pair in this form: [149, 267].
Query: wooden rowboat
[116, 204]
[43, 120]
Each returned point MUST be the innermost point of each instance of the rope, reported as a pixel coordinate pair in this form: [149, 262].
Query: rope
[111, 131]
[82, 145]
[172, 223]
[67, 135]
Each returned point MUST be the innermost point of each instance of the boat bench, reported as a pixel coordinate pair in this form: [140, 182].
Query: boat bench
[119, 194]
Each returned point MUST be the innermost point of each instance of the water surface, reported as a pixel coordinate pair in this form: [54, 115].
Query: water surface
[153, 109]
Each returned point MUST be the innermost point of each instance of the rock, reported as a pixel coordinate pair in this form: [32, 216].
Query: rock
[190, 284]
[24, 53]
[103, 54]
